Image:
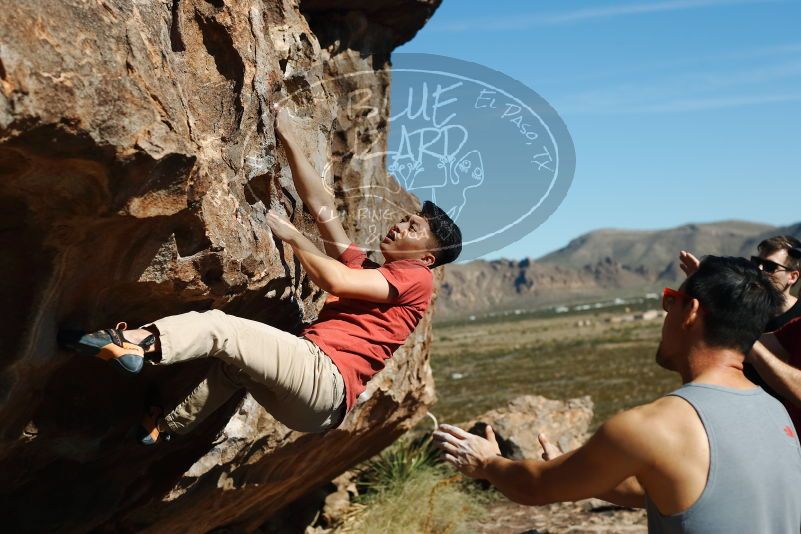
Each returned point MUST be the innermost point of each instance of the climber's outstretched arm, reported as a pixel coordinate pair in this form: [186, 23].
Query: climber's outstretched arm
[329, 274]
[316, 197]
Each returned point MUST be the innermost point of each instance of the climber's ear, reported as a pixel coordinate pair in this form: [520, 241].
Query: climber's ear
[429, 259]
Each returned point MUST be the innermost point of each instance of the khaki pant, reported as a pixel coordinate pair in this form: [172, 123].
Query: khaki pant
[290, 376]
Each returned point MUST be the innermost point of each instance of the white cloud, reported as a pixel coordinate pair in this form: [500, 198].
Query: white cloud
[692, 91]
[680, 105]
[644, 68]
[523, 21]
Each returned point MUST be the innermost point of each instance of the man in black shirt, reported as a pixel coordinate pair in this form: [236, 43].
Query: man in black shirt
[784, 271]
[778, 258]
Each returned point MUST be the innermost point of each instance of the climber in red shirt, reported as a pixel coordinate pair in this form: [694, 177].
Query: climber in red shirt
[307, 382]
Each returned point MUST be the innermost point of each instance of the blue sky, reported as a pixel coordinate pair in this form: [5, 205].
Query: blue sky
[680, 111]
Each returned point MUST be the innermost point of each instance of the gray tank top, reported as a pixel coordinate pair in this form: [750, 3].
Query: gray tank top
[754, 480]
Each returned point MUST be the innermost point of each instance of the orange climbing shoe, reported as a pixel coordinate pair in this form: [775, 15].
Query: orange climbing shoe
[110, 345]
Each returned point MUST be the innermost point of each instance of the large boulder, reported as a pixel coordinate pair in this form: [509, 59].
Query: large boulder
[518, 424]
[137, 163]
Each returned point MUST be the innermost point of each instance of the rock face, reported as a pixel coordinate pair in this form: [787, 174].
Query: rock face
[137, 163]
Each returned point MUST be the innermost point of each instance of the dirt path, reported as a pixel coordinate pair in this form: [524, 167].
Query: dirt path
[567, 518]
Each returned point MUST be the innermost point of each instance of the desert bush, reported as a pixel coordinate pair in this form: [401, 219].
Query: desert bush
[407, 489]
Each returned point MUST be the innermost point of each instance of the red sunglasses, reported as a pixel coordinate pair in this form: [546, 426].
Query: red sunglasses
[669, 296]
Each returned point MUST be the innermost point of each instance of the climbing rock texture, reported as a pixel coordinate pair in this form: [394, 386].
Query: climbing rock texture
[137, 162]
[517, 425]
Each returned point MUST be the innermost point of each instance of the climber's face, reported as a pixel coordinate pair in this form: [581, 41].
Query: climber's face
[409, 239]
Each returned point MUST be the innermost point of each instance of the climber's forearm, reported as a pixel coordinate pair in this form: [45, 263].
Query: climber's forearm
[317, 199]
[308, 182]
[321, 269]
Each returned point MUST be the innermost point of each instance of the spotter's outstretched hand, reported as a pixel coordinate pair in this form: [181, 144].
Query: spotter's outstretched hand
[467, 452]
[549, 450]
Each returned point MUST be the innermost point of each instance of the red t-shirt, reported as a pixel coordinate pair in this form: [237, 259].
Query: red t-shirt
[359, 335]
[790, 338]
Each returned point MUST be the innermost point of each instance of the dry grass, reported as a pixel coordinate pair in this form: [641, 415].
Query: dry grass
[481, 365]
[408, 489]
[430, 501]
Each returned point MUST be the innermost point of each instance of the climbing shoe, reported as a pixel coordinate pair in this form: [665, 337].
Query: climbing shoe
[148, 432]
[110, 345]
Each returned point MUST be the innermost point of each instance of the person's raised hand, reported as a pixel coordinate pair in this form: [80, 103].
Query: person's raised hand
[283, 122]
[281, 227]
[549, 450]
[467, 452]
[688, 263]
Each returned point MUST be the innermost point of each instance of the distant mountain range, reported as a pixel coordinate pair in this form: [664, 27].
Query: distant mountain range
[596, 264]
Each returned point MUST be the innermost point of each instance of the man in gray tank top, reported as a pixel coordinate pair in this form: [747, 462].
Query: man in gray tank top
[718, 455]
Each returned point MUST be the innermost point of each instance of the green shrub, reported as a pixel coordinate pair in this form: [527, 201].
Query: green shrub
[407, 490]
[397, 464]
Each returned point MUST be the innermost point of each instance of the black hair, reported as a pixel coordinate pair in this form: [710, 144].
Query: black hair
[447, 235]
[782, 242]
[737, 301]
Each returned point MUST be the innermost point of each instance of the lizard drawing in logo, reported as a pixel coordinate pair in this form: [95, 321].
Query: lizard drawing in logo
[452, 179]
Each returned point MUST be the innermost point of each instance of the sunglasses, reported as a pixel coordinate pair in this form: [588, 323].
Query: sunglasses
[669, 296]
[768, 266]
